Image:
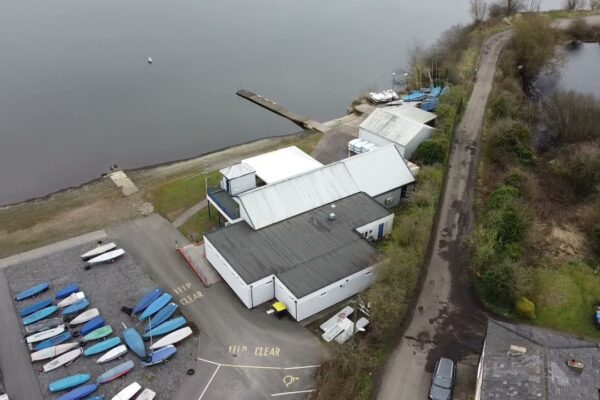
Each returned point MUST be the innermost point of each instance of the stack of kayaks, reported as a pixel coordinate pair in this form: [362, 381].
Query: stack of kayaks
[160, 355]
[112, 354]
[146, 300]
[25, 311]
[68, 382]
[128, 392]
[51, 352]
[115, 372]
[79, 393]
[162, 316]
[84, 317]
[166, 327]
[156, 306]
[172, 338]
[98, 250]
[75, 308]
[102, 346]
[32, 291]
[63, 359]
[91, 325]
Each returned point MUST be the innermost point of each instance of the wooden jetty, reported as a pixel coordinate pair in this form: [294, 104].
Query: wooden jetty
[304, 122]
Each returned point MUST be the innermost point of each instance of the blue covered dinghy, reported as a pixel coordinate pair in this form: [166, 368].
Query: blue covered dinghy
[147, 300]
[102, 346]
[75, 308]
[166, 327]
[93, 324]
[134, 341]
[156, 305]
[39, 315]
[25, 311]
[68, 382]
[32, 291]
[53, 341]
[160, 355]
[162, 316]
[67, 291]
[79, 393]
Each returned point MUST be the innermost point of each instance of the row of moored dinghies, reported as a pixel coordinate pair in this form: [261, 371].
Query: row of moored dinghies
[82, 331]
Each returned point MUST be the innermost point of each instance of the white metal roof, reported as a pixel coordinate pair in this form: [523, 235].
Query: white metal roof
[412, 112]
[235, 171]
[379, 171]
[276, 202]
[396, 126]
[376, 172]
[281, 164]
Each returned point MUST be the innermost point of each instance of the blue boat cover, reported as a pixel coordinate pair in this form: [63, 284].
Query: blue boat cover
[76, 307]
[160, 355]
[66, 291]
[91, 325]
[162, 316]
[79, 393]
[156, 305]
[68, 382]
[38, 315]
[414, 96]
[134, 342]
[53, 341]
[32, 291]
[102, 346]
[115, 372]
[436, 91]
[166, 327]
[25, 311]
[146, 300]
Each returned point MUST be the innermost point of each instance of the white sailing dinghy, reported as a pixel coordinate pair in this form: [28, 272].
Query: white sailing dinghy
[128, 392]
[53, 351]
[62, 360]
[38, 337]
[112, 354]
[84, 317]
[172, 338]
[95, 252]
[146, 394]
[106, 257]
[71, 299]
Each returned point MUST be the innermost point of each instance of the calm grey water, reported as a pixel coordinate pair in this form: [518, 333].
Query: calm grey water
[76, 93]
[579, 72]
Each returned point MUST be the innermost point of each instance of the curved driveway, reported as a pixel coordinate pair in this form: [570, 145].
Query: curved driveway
[448, 320]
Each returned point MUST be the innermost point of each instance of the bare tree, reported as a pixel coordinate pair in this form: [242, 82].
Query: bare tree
[535, 5]
[512, 6]
[573, 4]
[478, 10]
[594, 4]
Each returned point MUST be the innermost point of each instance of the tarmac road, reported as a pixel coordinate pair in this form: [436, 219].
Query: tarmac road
[449, 322]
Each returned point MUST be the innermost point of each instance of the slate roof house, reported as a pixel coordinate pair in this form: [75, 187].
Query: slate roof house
[529, 363]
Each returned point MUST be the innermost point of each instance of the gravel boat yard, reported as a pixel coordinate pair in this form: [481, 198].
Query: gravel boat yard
[108, 287]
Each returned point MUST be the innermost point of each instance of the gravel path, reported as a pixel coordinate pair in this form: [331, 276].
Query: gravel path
[108, 287]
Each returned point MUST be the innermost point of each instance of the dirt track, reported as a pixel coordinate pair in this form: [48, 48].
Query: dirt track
[448, 320]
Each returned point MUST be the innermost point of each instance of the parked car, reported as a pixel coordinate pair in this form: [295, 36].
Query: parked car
[442, 381]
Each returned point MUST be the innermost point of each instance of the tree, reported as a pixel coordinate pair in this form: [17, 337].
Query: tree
[535, 5]
[478, 10]
[507, 7]
[533, 45]
[594, 4]
[571, 117]
[573, 4]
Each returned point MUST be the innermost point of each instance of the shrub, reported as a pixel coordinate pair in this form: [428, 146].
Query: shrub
[509, 139]
[533, 43]
[525, 308]
[596, 235]
[430, 152]
[503, 105]
[580, 166]
[502, 196]
[571, 117]
[496, 284]
[511, 225]
[579, 29]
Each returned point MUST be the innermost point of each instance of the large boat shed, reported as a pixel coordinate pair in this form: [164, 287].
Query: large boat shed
[309, 262]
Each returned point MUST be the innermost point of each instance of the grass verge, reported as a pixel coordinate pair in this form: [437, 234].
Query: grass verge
[199, 224]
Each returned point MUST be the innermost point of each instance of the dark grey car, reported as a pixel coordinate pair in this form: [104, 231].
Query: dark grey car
[442, 381]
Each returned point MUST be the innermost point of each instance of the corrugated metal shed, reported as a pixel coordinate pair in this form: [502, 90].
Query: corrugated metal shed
[306, 252]
[379, 171]
[376, 172]
[235, 171]
[281, 164]
[396, 128]
[412, 112]
[276, 202]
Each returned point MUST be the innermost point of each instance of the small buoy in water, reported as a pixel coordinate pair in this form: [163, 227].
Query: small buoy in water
[149, 60]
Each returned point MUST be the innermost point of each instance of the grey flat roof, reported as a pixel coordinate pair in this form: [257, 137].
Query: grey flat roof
[541, 373]
[306, 252]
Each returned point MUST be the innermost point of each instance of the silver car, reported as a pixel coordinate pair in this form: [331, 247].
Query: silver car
[442, 381]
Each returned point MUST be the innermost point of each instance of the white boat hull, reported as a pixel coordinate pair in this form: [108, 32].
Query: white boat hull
[53, 351]
[99, 250]
[172, 338]
[128, 392]
[111, 255]
[146, 394]
[38, 337]
[112, 354]
[84, 317]
[62, 360]
[72, 299]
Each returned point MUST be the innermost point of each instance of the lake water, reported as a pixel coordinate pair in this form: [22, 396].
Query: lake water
[76, 93]
[579, 71]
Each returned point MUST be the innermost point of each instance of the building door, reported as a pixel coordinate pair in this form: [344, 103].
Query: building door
[380, 231]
